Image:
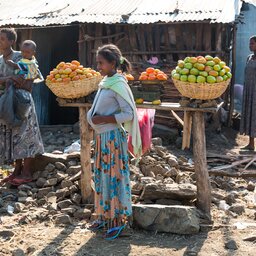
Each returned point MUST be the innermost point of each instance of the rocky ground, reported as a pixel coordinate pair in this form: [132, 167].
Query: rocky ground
[47, 217]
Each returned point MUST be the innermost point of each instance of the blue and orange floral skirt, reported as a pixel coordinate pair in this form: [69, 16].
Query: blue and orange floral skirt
[112, 177]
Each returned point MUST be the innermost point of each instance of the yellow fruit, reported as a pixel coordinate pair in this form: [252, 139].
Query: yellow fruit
[139, 101]
[156, 102]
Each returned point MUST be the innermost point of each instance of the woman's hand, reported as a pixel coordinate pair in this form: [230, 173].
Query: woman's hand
[104, 120]
[98, 119]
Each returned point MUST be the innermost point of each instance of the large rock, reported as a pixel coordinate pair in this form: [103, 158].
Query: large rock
[171, 191]
[72, 170]
[162, 218]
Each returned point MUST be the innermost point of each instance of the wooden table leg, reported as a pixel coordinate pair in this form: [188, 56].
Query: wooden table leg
[187, 130]
[202, 176]
[85, 155]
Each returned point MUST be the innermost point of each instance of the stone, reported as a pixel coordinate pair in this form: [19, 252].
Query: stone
[76, 198]
[1, 202]
[18, 252]
[24, 187]
[231, 244]
[49, 167]
[174, 191]
[60, 166]
[51, 194]
[230, 198]
[60, 175]
[82, 214]
[157, 141]
[70, 211]
[41, 201]
[173, 162]
[147, 180]
[172, 173]
[40, 182]
[72, 170]
[250, 186]
[25, 199]
[174, 219]
[64, 204]
[237, 208]
[62, 219]
[44, 174]
[43, 192]
[22, 193]
[34, 190]
[62, 193]
[51, 182]
[72, 163]
[168, 202]
[18, 207]
[66, 184]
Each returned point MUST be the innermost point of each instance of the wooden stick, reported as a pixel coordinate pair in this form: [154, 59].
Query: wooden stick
[85, 138]
[231, 173]
[177, 117]
[232, 165]
[202, 176]
[251, 162]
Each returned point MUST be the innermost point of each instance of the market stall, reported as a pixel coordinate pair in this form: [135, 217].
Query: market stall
[199, 79]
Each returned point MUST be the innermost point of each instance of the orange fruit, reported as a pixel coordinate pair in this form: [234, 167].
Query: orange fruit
[80, 67]
[60, 65]
[82, 77]
[89, 75]
[150, 70]
[151, 77]
[72, 74]
[75, 78]
[75, 62]
[144, 74]
[66, 80]
[143, 77]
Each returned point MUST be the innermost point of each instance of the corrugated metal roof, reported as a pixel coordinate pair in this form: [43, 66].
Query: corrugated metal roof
[55, 12]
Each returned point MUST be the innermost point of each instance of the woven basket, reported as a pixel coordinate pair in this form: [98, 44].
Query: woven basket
[201, 91]
[75, 89]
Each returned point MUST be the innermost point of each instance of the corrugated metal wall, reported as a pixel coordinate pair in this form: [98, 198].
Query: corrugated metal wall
[244, 32]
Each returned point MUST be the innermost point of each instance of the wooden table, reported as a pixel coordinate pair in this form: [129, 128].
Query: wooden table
[193, 120]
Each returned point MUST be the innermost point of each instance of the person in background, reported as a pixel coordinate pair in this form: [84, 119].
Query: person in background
[20, 144]
[113, 105]
[248, 116]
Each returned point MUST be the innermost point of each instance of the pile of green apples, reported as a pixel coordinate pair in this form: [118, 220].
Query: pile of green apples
[201, 69]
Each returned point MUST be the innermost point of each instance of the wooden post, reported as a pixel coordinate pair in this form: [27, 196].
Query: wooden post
[85, 155]
[231, 87]
[202, 176]
[186, 130]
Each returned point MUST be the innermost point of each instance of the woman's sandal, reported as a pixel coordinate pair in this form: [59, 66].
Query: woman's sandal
[96, 225]
[7, 179]
[116, 232]
[19, 181]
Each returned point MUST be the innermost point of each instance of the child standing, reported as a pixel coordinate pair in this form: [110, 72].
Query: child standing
[113, 106]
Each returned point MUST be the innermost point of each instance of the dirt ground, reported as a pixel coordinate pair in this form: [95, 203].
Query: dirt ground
[43, 237]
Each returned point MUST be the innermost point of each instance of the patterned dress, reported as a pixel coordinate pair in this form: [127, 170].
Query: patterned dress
[111, 164]
[248, 117]
[24, 141]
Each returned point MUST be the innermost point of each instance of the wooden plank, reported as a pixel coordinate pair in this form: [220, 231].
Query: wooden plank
[199, 37]
[85, 155]
[167, 106]
[187, 130]
[202, 176]
[207, 37]
[231, 173]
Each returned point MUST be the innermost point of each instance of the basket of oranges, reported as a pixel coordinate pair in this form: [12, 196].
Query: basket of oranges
[152, 76]
[72, 80]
